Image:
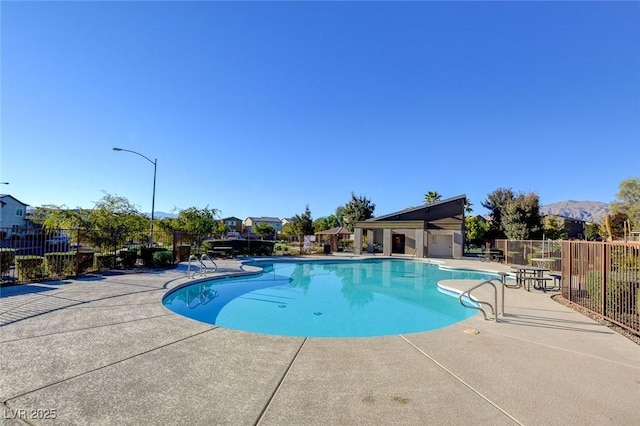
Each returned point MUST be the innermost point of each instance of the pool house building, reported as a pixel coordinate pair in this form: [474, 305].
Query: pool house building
[431, 230]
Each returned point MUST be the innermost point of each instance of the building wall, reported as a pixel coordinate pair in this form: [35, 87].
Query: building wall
[250, 222]
[234, 223]
[574, 227]
[12, 214]
[443, 236]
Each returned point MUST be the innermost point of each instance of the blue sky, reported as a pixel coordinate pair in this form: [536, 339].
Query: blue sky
[260, 108]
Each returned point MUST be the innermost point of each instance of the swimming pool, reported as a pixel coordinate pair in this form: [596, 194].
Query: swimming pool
[360, 298]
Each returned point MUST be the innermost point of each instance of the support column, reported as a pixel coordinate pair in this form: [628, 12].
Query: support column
[419, 242]
[357, 241]
[370, 236]
[386, 242]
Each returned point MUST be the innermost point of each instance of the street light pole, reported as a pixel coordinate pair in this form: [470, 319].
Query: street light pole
[153, 196]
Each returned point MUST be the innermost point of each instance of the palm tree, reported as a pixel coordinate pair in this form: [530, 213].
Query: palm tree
[467, 207]
[432, 197]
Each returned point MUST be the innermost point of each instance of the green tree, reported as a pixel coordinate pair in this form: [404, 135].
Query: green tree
[614, 226]
[60, 217]
[263, 229]
[554, 229]
[325, 222]
[165, 227]
[628, 201]
[197, 222]
[113, 220]
[432, 197]
[288, 231]
[301, 225]
[468, 206]
[592, 232]
[475, 228]
[521, 217]
[357, 209]
[339, 214]
[496, 202]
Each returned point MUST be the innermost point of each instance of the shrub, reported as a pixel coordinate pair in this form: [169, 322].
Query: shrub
[29, 267]
[60, 264]
[104, 260]
[7, 257]
[85, 262]
[128, 257]
[619, 287]
[146, 254]
[162, 259]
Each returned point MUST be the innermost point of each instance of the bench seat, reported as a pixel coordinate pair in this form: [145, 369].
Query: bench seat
[539, 283]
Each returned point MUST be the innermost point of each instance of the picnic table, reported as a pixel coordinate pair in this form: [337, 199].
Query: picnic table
[526, 275]
[543, 262]
[221, 252]
[491, 255]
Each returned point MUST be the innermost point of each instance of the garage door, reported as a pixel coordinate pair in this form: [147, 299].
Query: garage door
[440, 245]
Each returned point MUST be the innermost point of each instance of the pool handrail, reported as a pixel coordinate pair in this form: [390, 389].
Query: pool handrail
[494, 311]
[202, 268]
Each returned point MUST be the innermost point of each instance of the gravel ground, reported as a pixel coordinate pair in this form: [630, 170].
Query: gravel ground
[626, 333]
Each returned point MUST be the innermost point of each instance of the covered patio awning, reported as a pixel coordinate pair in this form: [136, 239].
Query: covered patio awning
[334, 235]
[335, 231]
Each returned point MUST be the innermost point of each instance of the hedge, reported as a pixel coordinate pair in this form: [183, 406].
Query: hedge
[85, 262]
[60, 264]
[146, 254]
[7, 257]
[104, 260]
[29, 267]
[162, 258]
[128, 257]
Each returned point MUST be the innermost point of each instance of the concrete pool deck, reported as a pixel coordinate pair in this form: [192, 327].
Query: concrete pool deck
[103, 350]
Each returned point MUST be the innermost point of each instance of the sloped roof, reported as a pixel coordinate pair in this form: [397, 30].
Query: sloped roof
[412, 209]
[335, 231]
[263, 219]
[11, 196]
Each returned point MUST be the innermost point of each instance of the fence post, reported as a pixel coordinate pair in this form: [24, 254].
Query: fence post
[77, 251]
[604, 266]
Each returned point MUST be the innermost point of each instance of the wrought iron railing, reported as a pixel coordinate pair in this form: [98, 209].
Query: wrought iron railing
[33, 254]
[604, 278]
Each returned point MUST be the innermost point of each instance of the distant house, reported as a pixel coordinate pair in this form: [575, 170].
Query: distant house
[251, 221]
[486, 218]
[433, 230]
[233, 224]
[574, 227]
[285, 220]
[13, 214]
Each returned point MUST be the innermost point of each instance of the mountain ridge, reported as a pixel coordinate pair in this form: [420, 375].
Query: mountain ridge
[588, 211]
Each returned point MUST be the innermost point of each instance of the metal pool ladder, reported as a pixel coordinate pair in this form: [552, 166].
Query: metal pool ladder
[202, 267]
[479, 303]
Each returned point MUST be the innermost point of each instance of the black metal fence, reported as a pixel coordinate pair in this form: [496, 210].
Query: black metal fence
[32, 254]
[35, 254]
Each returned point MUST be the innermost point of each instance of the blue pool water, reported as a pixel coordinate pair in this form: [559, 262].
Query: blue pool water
[328, 299]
